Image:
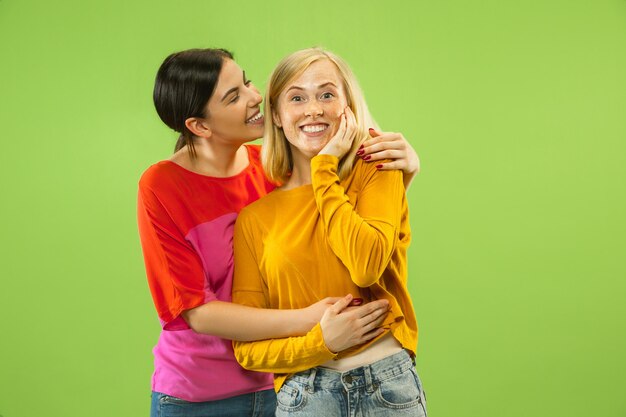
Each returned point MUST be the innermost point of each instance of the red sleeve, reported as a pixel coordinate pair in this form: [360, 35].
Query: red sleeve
[174, 269]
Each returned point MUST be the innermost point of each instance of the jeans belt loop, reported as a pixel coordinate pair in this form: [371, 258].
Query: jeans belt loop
[311, 382]
[370, 385]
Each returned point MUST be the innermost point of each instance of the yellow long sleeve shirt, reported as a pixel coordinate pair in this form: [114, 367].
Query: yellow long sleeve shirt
[330, 238]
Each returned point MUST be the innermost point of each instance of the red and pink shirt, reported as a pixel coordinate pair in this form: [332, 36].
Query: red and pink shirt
[186, 225]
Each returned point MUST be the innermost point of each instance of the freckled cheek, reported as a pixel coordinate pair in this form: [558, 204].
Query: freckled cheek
[334, 113]
[336, 109]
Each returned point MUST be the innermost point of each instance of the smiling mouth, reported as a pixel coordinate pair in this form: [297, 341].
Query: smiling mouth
[257, 118]
[317, 128]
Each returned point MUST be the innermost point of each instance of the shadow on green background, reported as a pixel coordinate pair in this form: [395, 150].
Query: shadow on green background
[518, 110]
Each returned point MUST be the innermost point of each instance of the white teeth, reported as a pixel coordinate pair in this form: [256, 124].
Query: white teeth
[314, 128]
[255, 118]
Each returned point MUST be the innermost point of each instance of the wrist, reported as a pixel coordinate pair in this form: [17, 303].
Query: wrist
[328, 154]
[303, 321]
[324, 160]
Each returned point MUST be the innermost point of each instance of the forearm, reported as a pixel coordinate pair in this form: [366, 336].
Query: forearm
[243, 323]
[365, 240]
[287, 355]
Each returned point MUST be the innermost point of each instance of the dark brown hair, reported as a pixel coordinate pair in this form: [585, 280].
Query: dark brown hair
[184, 84]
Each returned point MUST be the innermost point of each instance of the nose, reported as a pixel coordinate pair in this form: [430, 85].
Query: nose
[313, 109]
[255, 96]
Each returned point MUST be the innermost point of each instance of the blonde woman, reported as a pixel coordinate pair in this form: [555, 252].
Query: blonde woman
[334, 225]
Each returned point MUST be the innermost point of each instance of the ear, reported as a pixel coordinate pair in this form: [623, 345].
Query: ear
[199, 127]
[276, 119]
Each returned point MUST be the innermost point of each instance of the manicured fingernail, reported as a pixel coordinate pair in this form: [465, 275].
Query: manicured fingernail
[379, 166]
[361, 147]
[371, 129]
[360, 152]
[356, 302]
[367, 157]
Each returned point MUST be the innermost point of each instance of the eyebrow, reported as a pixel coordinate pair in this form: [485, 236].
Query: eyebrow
[295, 87]
[229, 92]
[232, 90]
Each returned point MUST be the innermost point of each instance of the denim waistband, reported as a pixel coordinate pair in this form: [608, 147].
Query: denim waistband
[368, 376]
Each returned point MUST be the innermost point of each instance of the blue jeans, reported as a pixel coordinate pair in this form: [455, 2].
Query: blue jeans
[256, 404]
[388, 387]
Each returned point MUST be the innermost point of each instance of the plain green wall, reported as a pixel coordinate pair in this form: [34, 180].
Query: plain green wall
[518, 266]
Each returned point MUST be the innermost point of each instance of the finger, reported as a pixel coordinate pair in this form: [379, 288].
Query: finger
[350, 124]
[374, 132]
[374, 324]
[331, 300]
[386, 154]
[371, 147]
[371, 308]
[394, 138]
[352, 117]
[340, 305]
[387, 166]
[377, 316]
[371, 335]
[356, 302]
[341, 132]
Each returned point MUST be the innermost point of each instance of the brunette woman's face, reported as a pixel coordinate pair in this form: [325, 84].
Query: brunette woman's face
[234, 112]
[310, 106]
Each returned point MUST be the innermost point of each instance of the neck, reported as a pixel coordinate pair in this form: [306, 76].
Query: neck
[301, 171]
[213, 158]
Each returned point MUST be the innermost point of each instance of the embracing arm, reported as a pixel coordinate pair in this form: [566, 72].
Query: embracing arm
[393, 146]
[340, 327]
[177, 282]
[244, 323]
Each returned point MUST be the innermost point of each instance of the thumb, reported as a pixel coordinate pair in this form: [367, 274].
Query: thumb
[340, 305]
[373, 132]
[331, 300]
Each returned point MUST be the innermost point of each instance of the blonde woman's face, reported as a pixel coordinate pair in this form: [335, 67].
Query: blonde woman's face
[309, 107]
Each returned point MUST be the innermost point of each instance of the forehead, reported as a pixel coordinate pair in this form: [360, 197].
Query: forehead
[319, 72]
[230, 76]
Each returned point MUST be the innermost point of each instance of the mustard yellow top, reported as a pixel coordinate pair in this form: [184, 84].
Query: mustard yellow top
[328, 238]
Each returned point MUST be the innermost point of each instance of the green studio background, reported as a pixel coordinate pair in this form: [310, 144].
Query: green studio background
[517, 109]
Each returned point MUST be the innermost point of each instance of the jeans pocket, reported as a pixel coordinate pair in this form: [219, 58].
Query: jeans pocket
[168, 399]
[399, 392]
[422, 391]
[169, 406]
[291, 397]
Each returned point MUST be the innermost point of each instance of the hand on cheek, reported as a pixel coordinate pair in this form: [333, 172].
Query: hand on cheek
[341, 142]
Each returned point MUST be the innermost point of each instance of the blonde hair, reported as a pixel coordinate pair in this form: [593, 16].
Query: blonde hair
[276, 154]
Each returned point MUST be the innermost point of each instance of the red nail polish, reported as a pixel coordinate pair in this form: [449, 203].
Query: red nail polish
[379, 166]
[360, 152]
[361, 147]
[356, 302]
[371, 129]
[367, 157]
